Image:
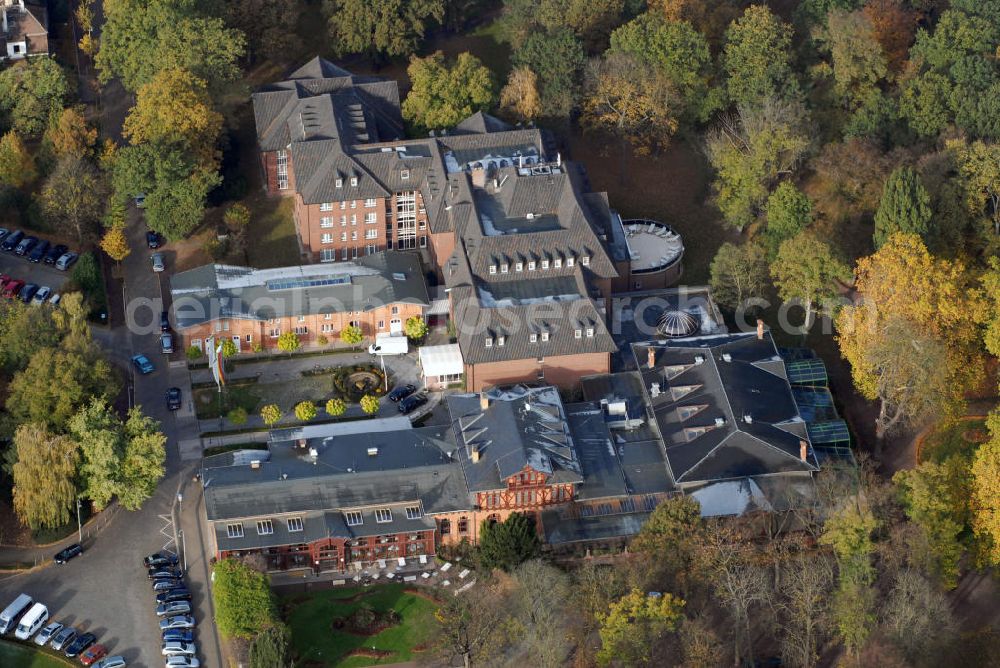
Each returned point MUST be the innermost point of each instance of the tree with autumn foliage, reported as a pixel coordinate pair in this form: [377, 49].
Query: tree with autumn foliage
[630, 101]
[634, 627]
[519, 98]
[70, 135]
[893, 26]
[74, 197]
[444, 93]
[757, 58]
[986, 462]
[17, 167]
[115, 244]
[912, 305]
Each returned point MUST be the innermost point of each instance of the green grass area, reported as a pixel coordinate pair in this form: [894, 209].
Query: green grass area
[46, 536]
[209, 403]
[315, 641]
[959, 438]
[13, 655]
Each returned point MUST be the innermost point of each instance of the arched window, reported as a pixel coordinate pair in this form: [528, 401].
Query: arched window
[445, 527]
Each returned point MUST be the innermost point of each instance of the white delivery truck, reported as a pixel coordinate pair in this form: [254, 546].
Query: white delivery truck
[387, 344]
[32, 621]
[13, 612]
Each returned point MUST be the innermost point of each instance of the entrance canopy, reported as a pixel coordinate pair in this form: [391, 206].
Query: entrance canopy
[443, 360]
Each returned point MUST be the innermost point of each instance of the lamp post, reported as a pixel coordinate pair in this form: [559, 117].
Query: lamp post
[79, 524]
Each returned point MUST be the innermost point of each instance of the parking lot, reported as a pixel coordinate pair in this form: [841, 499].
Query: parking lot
[39, 273]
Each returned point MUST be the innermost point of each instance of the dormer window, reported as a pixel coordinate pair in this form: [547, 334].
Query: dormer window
[354, 183]
[570, 261]
[489, 341]
[339, 183]
[533, 337]
[493, 269]
[578, 333]
[585, 260]
[500, 341]
[545, 264]
[519, 266]
[504, 268]
[531, 265]
[404, 174]
[545, 336]
[557, 263]
[590, 332]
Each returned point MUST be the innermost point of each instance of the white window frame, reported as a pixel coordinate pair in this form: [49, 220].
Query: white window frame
[326, 239]
[282, 169]
[413, 513]
[325, 222]
[265, 527]
[339, 183]
[294, 524]
[531, 265]
[354, 518]
[404, 174]
[578, 333]
[370, 203]
[489, 342]
[354, 182]
[371, 234]
[326, 206]
[383, 515]
[585, 260]
[371, 218]
[590, 332]
[235, 530]
[545, 336]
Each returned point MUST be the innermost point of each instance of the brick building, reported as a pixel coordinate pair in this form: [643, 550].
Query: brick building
[530, 256]
[376, 293]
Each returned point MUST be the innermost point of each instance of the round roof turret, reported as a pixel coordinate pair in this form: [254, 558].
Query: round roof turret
[677, 324]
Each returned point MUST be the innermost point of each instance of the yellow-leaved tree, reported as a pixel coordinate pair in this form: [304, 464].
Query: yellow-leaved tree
[634, 627]
[115, 244]
[986, 464]
[912, 339]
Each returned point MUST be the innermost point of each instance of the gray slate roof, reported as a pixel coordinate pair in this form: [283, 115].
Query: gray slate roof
[743, 420]
[212, 291]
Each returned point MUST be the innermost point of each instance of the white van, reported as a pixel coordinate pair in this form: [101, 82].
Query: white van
[13, 612]
[32, 621]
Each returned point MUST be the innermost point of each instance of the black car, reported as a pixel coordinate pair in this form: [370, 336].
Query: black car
[152, 239]
[402, 392]
[159, 559]
[55, 253]
[74, 550]
[172, 595]
[178, 635]
[81, 643]
[174, 398]
[27, 292]
[166, 584]
[164, 322]
[412, 402]
[26, 245]
[39, 251]
[12, 240]
[157, 573]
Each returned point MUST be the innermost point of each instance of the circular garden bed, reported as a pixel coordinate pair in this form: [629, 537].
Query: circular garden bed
[354, 382]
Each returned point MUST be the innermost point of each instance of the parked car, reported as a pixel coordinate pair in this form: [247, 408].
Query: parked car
[80, 644]
[152, 239]
[39, 251]
[142, 363]
[180, 635]
[55, 253]
[157, 259]
[93, 654]
[164, 322]
[173, 595]
[158, 559]
[11, 241]
[140, 200]
[175, 648]
[156, 573]
[115, 661]
[63, 638]
[166, 584]
[181, 661]
[26, 245]
[3, 233]
[173, 608]
[66, 261]
[27, 292]
[41, 296]
[55, 299]
[411, 403]
[46, 634]
[13, 288]
[402, 392]
[166, 343]
[73, 550]
[177, 622]
[174, 398]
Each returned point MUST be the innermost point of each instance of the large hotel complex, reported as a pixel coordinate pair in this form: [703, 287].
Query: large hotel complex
[569, 412]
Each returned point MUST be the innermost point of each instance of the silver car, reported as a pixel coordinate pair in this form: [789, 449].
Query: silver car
[157, 259]
[175, 647]
[173, 608]
[45, 635]
[177, 622]
[111, 662]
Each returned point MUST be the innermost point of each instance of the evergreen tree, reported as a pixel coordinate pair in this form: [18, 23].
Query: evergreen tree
[905, 207]
[508, 544]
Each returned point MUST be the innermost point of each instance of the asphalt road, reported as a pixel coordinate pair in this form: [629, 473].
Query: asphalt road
[106, 590]
[16, 266]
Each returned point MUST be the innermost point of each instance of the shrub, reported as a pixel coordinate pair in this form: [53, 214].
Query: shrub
[194, 353]
[336, 407]
[243, 603]
[369, 404]
[322, 340]
[257, 347]
[415, 328]
[305, 410]
[270, 414]
[238, 415]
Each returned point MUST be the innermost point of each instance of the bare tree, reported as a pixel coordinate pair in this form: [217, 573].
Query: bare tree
[803, 609]
[918, 618]
[539, 605]
[471, 626]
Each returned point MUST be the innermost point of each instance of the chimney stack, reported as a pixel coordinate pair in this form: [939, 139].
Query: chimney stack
[650, 357]
[484, 401]
[803, 451]
[475, 454]
[760, 329]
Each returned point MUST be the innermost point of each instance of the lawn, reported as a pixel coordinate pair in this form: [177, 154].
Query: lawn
[209, 404]
[960, 438]
[19, 656]
[316, 642]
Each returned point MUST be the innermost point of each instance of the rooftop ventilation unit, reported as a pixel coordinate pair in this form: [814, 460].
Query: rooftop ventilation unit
[719, 421]
[313, 452]
[726, 357]
[699, 359]
[748, 418]
[654, 390]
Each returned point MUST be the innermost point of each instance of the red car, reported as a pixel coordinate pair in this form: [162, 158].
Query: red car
[11, 289]
[93, 654]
